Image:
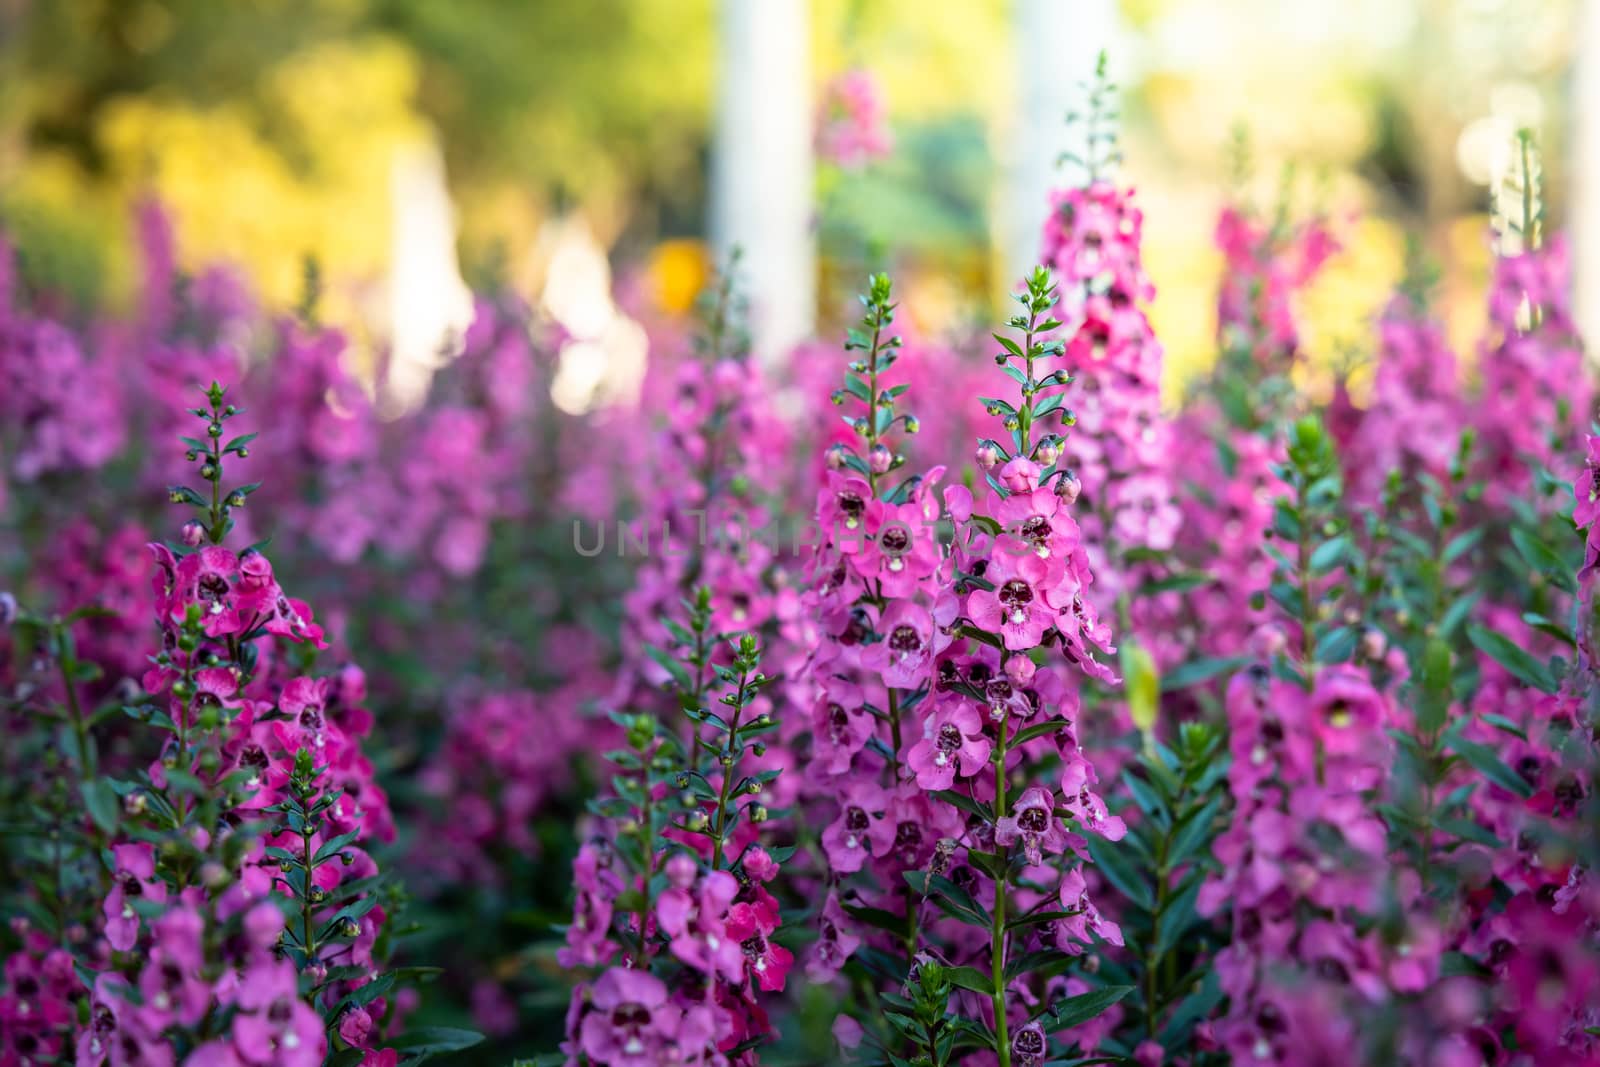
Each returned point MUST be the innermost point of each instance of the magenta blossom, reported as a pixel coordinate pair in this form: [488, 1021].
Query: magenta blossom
[1033, 824]
[955, 744]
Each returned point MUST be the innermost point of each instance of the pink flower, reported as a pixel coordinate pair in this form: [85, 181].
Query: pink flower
[1020, 475]
[274, 1025]
[955, 743]
[841, 726]
[848, 512]
[752, 925]
[848, 840]
[695, 921]
[1072, 933]
[355, 1027]
[835, 943]
[1016, 608]
[904, 657]
[631, 1024]
[1032, 822]
[132, 878]
[1347, 713]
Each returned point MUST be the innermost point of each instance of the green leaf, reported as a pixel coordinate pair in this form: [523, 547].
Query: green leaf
[1009, 345]
[1181, 582]
[1329, 554]
[1075, 1011]
[1435, 681]
[239, 442]
[332, 847]
[1469, 831]
[1521, 663]
[425, 1042]
[878, 918]
[966, 803]
[1194, 831]
[1200, 670]
[1484, 760]
[679, 673]
[1113, 864]
[101, 801]
[1456, 965]
[1505, 725]
[1548, 626]
[970, 978]
[1038, 729]
[1544, 559]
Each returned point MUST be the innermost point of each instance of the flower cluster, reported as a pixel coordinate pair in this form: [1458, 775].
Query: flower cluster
[853, 122]
[1076, 728]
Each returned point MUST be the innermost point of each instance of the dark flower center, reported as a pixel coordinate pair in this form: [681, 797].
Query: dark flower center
[1016, 594]
[855, 820]
[1028, 1042]
[1033, 820]
[905, 638]
[838, 723]
[632, 1017]
[895, 540]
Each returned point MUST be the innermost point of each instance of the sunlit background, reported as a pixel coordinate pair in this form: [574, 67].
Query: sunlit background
[593, 154]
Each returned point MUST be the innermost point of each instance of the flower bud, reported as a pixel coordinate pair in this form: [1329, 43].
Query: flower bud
[880, 459]
[987, 456]
[1020, 670]
[1068, 487]
[192, 533]
[835, 457]
[1020, 475]
[758, 813]
[8, 609]
[1047, 452]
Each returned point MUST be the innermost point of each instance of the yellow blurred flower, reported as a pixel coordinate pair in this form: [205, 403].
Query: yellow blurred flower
[678, 271]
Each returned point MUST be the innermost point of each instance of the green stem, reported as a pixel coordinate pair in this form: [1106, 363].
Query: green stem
[894, 732]
[719, 835]
[80, 726]
[997, 933]
[872, 398]
[308, 938]
[647, 846]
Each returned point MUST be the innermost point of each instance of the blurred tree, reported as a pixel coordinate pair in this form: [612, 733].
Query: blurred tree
[274, 119]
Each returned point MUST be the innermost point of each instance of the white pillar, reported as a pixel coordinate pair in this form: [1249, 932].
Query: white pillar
[1583, 181]
[762, 189]
[430, 306]
[1055, 44]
